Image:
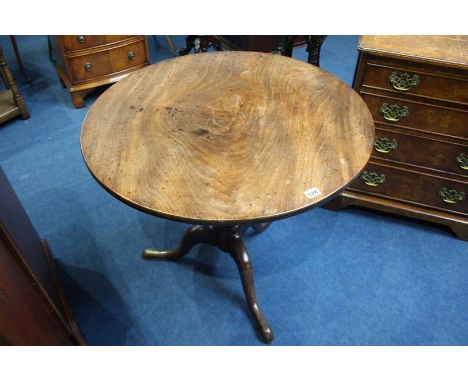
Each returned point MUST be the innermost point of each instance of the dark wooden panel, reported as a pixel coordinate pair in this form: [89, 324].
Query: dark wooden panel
[24, 319]
[21, 238]
[33, 306]
[257, 43]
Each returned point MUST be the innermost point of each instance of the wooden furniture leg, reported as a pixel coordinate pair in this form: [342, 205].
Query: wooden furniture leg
[18, 58]
[314, 44]
[51, 51]
[200, 44]
[228, 239]
[459, 230]
[77, 97]
[171, 45]
[285, 45]
[244, 265]
[194, 235]
[11, 84]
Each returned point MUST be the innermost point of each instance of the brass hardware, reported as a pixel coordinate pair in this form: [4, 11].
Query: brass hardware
[372, 179]
[462, 161]
[131, 55]
[403, 81]
[385, 145]
[88, 67]
[451, 196]
[393, 113]
[81, 39]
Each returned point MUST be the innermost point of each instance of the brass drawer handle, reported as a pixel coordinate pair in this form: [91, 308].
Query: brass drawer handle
[451, 196]
[131, 55]
[385, 145]
[88, 67]
[372, 179]
[462, 161]
[393, 113]
[81, 39]
[403, 81]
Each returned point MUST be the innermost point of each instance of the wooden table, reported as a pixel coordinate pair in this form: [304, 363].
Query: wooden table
[226, 140]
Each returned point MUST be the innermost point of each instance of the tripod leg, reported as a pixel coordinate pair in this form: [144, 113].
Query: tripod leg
[194, 235]
[242, 259]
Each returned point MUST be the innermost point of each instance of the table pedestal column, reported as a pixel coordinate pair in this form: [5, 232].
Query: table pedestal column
[228, 239]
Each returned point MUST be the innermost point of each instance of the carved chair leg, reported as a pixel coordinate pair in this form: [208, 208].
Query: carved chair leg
[200, 44]
[314, 44]
[210, 42]
[242, 259]
[191, 42]
[194, 235]
[285, 45]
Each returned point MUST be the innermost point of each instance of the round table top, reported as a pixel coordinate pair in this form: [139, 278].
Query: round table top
[227, 137]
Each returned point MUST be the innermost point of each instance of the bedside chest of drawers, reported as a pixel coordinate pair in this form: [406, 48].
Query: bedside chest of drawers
[417, 90]
[85, 62]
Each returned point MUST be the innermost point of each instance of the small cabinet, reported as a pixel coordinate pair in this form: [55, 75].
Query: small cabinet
[84, 62]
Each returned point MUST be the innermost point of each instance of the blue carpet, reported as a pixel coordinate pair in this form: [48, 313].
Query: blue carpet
[323, 278]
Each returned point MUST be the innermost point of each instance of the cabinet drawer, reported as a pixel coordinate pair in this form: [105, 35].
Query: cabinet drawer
[419, 116]
[90, 66]
[439, 193]
[111, 61]
[419, 151]
[128, 56]
[405, 81]
[87, 41]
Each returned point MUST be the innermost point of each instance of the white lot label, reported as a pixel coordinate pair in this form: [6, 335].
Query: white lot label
[312, 192]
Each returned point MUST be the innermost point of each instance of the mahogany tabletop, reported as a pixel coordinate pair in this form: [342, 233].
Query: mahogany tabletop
[227, 137]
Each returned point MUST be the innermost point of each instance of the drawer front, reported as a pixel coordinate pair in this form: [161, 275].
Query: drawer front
[90, 66]
[405, 81]
[404, 113]
[128, 56]
[412, 187]
[85, 41]
[421, 151]
[114, 60]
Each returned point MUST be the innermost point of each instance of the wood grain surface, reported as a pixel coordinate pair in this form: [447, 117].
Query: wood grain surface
[451, 50]
[227, 137]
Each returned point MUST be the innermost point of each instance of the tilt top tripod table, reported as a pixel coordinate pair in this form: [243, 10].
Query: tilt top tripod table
[226, 140]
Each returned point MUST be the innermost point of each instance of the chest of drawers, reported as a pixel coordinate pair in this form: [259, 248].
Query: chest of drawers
[417, 90]
[85, 62]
